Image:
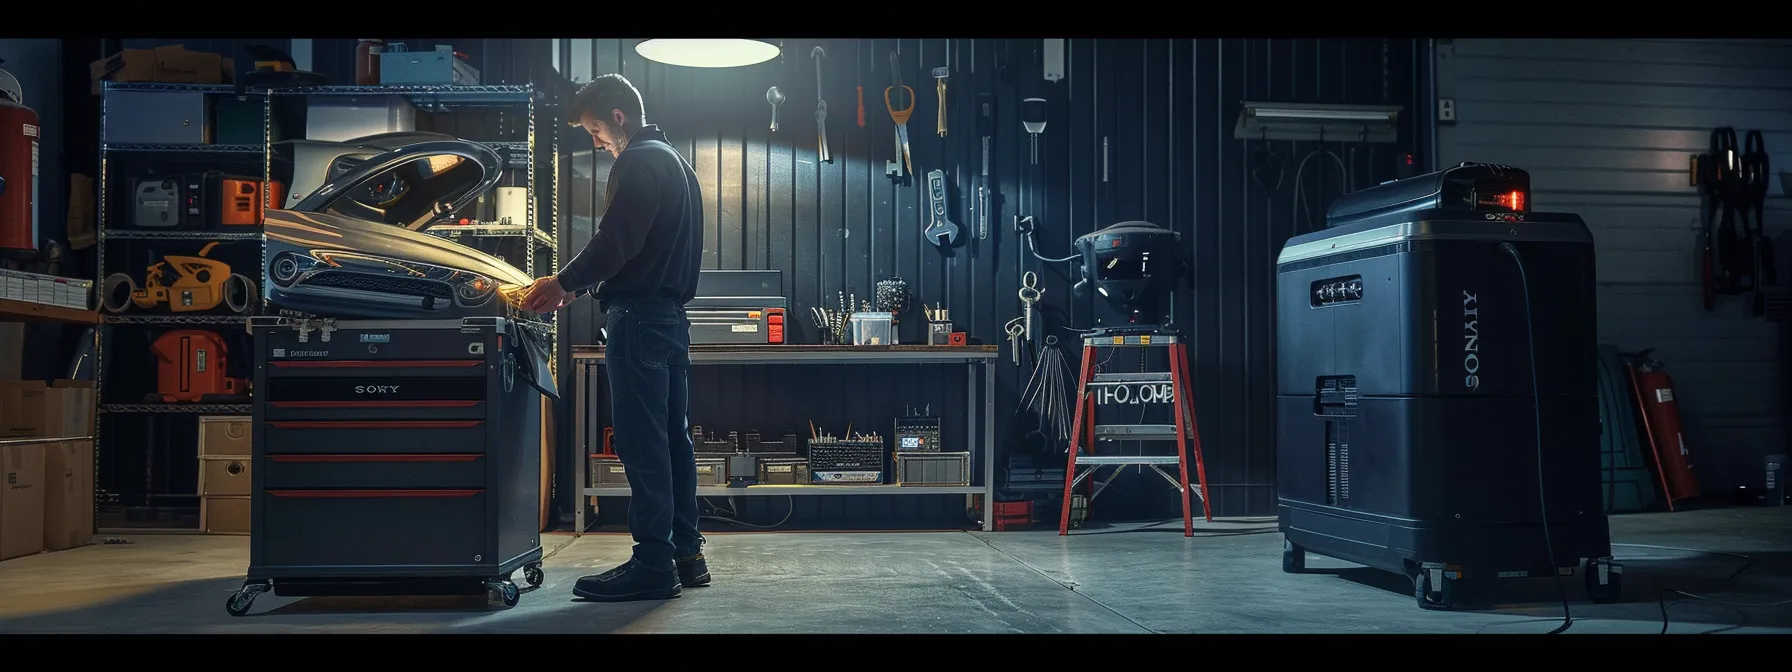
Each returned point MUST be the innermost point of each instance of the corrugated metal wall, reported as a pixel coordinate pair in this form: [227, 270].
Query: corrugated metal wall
[1164, 110]
[1605, 128]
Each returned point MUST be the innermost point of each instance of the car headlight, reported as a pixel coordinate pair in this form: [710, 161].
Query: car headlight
[288, 267]
[474, 290]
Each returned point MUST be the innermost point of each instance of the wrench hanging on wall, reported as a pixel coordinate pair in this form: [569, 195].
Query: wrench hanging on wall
[986, 130]
[821, 109]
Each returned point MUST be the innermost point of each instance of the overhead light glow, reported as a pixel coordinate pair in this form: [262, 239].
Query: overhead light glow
[728, 53]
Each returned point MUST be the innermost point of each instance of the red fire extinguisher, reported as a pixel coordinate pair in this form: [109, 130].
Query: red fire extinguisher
[19, 132]
[1654, 391]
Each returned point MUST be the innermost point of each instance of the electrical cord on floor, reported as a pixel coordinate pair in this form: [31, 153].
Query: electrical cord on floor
[1530, 332]
[732, 518]
[1662, 601]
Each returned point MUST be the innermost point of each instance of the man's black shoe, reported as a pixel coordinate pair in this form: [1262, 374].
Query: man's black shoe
[693, 571]
[632, 581]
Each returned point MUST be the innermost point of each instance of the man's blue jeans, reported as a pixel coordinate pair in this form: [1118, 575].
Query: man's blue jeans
[648, 361]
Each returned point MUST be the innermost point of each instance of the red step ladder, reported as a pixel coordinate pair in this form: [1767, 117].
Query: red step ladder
[1132, 389]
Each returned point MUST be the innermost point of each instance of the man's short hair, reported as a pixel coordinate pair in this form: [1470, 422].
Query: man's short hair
[603, 94]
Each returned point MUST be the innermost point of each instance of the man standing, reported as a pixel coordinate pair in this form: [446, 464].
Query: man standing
[643, 262]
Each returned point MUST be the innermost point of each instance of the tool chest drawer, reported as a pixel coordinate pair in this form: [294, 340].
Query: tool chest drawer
[378, 437]
[363, 528]
[363, 395]
[413, 471]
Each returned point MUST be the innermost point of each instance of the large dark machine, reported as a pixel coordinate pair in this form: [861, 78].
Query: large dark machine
[1133, 265]
[1437, 396]
[395, 457]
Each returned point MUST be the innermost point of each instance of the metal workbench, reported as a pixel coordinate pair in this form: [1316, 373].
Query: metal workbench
[586, 359]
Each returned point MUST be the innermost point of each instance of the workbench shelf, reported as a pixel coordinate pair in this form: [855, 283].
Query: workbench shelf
[980, 430]
[44, 313]
[541, 229]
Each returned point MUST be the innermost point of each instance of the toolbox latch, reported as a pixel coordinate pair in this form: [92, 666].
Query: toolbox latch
[1335, 396]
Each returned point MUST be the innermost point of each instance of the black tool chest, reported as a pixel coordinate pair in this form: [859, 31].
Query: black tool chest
[395, 457]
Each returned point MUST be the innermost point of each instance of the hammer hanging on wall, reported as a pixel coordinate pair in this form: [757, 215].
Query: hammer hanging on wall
[821, 109]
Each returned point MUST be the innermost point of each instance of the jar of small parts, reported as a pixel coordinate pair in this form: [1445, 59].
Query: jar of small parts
[367, 62]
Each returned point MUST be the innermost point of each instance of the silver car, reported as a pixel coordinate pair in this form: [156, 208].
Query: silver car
[356, 247]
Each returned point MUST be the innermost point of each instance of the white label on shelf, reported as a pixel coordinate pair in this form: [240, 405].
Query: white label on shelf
[30, 131]
[745, 328]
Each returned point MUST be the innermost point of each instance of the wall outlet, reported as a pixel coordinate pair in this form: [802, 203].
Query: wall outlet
[1446, 109]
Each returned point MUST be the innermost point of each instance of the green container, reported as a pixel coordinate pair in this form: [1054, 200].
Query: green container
[239, 121]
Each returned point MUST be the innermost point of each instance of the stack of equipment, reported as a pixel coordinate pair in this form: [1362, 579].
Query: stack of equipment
[1422, 339]
[395, 457]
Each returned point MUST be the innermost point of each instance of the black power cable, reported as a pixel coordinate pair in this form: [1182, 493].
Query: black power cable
[1543, 499]
[1530, 331]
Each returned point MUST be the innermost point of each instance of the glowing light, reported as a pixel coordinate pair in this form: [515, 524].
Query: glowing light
[691, 53]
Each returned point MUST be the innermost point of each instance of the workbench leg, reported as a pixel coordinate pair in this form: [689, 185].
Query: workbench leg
[989, 446]
[580, 433]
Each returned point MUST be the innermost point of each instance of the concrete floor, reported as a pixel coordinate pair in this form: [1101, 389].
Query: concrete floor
[1130, 579]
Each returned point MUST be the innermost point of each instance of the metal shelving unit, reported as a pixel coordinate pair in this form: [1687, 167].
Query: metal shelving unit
[979, 431]
[543, 235]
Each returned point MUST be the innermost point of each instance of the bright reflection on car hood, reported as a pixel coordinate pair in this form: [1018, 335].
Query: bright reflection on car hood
[318, 231]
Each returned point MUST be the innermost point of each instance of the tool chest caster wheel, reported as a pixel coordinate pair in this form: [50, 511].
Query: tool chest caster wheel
[244, 598]
[1605, 580]
[505, 591]
[1433, 598]
[1294, 558]
[533, 575]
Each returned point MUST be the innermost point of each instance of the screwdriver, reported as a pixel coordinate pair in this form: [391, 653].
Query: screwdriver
[1030, 109]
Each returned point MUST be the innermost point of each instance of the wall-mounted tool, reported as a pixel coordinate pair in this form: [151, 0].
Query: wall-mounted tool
[1032, 117]
[940, 226]
[986, 129]
[821, 110]
[900, 101]
[859, 73]
[1052, 55]
[939, 79]
[776, 98]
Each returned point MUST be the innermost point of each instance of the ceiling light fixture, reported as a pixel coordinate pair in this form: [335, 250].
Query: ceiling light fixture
[724, 53]
[1377, 124]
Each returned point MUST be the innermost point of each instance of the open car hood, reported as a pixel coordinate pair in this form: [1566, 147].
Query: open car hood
[422, 179]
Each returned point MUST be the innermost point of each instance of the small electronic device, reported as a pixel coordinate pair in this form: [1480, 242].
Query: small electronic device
[917, 433]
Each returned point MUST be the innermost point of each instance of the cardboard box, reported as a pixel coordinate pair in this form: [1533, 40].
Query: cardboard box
[226, 436]
[171, 64]
[59, 410]
[68, 494]
[225, 515]
[21, 407]
[21, 498]
[69, 409]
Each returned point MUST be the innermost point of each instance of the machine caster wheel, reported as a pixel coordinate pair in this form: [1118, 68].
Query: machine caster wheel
[1294, 558]
[1433, 598]
[533, 575]
[1605, 580]
[240, 601]
[505, 591]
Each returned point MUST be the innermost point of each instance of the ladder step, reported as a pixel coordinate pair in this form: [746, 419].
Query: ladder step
[1108, 460]
[1148, 377]
[1135, 433]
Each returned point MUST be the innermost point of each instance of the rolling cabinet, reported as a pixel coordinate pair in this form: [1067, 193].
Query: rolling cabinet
[126, 361]
[391, 454]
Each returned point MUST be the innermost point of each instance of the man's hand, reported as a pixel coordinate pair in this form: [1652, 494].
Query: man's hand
[545, 296]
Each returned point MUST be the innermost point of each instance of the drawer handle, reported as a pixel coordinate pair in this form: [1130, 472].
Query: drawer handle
[373, 404]
[234, 468]
[373, 458]
[375, 364]
[376, 424]
[373, 494]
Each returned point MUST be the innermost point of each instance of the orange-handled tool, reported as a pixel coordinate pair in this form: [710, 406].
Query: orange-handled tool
[899, 116]
[861, 107]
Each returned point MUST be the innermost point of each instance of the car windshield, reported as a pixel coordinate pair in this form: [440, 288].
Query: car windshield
[411, 193]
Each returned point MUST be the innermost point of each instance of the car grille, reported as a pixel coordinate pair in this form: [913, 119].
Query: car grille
[384, 285]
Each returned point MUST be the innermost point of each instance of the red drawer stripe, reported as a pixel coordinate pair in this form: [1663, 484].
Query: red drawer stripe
[373, 494]
[376, 424]
[374, 458]
[373, 404]
[382, 364]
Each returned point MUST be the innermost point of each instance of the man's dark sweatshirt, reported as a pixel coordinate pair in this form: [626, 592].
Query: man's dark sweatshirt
[649, 243]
